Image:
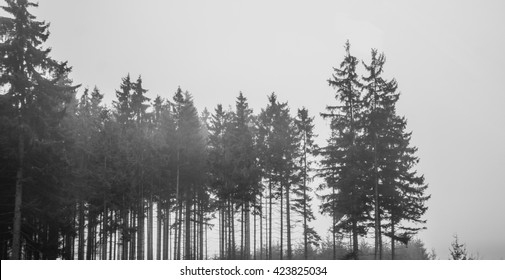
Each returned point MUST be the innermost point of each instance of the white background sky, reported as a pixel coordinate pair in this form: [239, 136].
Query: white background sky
[447, 56]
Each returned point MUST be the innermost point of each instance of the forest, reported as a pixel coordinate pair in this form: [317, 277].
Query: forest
[152, 178]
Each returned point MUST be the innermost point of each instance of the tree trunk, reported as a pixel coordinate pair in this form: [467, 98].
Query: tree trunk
[150, 222]
[247, 231]
[305, 237]
[80, 234]
[133, 235]
[261, 225]
[378, 243]
[254, 230]
[233, 247]
[16, 230]
[355, 247]
[166, 233]
[288, 224]
[187, 222]
[392, 241]
[221, 232]
[201, 232]
[270, 220]
[125, 234]
[281, 253]
[91, 241]
[242, 232]
[140, 229]
[158, 231]
[333, 229]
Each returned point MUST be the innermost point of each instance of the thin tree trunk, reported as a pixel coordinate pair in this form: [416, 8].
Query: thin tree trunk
[261, 225]
[201, 232]
[104, 231]
[140, 229]
[233, 247]
[176, 229]
[90, 245]
[187, 222]
[195, 225]
[158, 231]
[270, 220]
[288, 224]
[125, 233]
[221, 232]
[166, 233]
[281, 253]
[333, 229]
[242, 232]
[133, 236]
[150, 227]
[16, 230]
[305, 233]
[80, 242]
[355, 247]
[392, 241]
[179, 232]
[254, 230]
[247, 231]
[206, 243]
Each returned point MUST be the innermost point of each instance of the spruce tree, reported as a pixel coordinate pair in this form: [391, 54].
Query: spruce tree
[307, 150]
[379, 109]
[342, 164]
[397, 191]
[37, 92]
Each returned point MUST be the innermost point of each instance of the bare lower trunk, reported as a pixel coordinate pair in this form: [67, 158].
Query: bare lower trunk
[80, 234]
[261, 226]
[270, 221]
[201, 234]
[254, 233]
[288, 224]
[140, 230]
[16, 230]
[233, 251]
[281, 253]
[150, 222]
[355, 247]
[378, 243]
[392, 241]
[158, 231]
[187, 223]
[104, 231]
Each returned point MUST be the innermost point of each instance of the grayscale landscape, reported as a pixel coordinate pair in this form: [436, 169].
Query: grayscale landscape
[201, 130]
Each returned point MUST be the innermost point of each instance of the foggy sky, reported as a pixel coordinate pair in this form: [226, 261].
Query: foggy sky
[447, 56]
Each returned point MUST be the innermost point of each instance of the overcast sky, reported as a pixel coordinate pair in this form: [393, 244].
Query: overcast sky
[447, 56]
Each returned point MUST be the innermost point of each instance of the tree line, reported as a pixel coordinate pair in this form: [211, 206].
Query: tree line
[149, 178]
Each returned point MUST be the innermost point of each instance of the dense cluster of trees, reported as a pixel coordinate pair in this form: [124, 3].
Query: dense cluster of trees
[369, 163]
[148, 178]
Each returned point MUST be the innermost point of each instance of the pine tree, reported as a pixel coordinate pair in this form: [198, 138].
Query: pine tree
[278, 153]
[307, 147]
[219, 170]
[458, 250]
[37, 92]
[397, 191]
[191, 163]
[379, 102]
[342, 163]
[241, 157]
